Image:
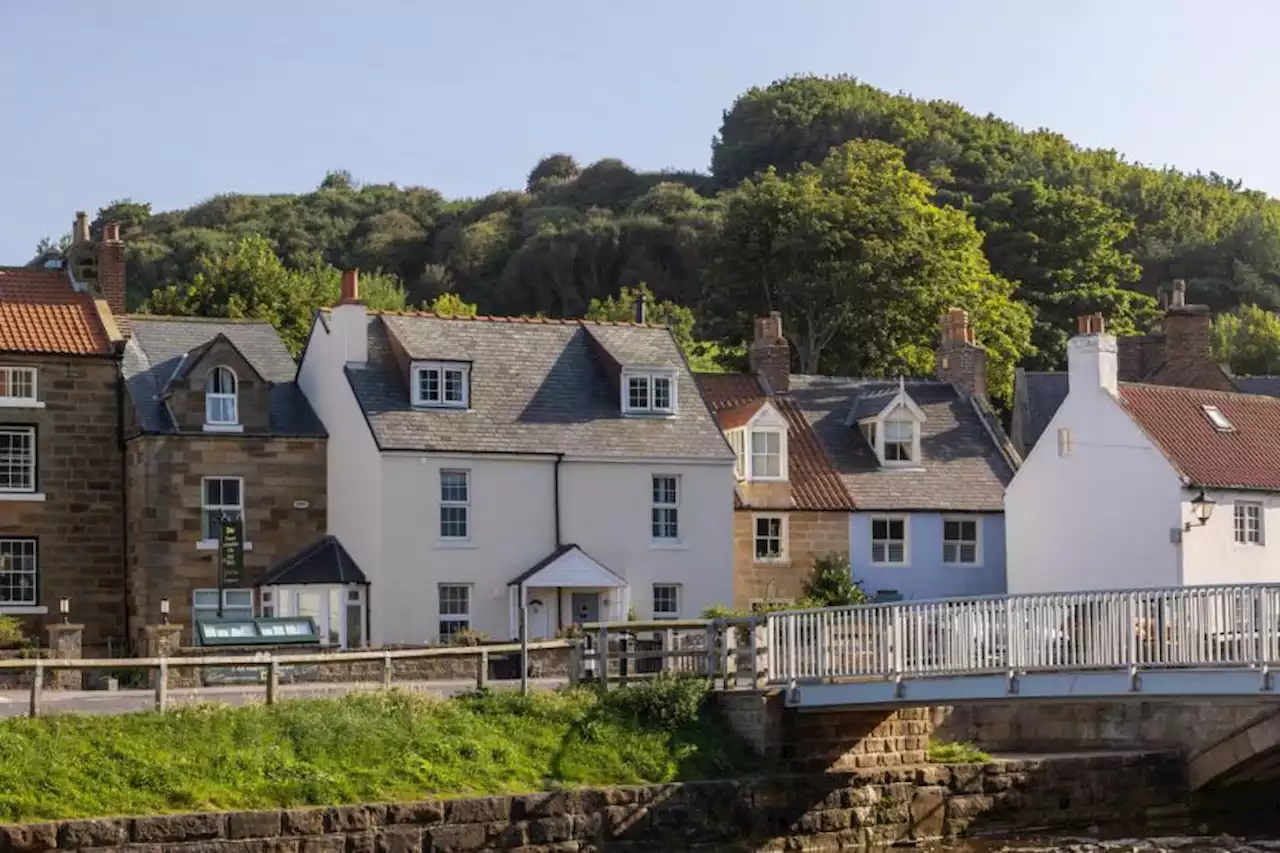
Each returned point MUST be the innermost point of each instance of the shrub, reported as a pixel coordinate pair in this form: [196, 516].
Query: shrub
[467, 637]
[832, 583]
[666, 703]
[10, 632]
[956, 753]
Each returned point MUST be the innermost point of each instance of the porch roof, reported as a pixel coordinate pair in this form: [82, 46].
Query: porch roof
[569, 566]
[324, 561]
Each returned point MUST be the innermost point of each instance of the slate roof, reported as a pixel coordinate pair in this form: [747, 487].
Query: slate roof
[1248, 457]
[963, 469]
[537, 386]
[323, 561]
[1044, 393]
[155, 353]
[41, 313]
[815, 485]
[1268, 385]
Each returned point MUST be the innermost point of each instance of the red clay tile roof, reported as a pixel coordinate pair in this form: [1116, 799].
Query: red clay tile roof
[40, 313]
[815, 485]
[1247, 457]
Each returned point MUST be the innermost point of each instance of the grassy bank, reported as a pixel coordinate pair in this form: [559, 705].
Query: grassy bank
[380, 747]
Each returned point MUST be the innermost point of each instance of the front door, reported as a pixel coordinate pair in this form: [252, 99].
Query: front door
[586, 607]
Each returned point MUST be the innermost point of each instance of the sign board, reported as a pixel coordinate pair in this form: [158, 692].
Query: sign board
[231, 551]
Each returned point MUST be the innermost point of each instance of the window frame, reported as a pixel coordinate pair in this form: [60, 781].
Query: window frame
[1244, 512]
[886, 542]
[441, 370]
[661, 509]
[24, 606]
[649, 380]
[454, 504]
[208, 534]
[767, 432]
[959, 544]
[33, 434]
[911, 442]
[781, 518]
[462, 619]
[8, 372]
[677, 594]
[737, 443]
[211, 397]
[241, 611]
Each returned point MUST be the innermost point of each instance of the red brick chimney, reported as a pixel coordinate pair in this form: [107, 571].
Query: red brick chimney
[111, 280]
[350, 287]
[960, 360]
[770, 354]
[1186, 335]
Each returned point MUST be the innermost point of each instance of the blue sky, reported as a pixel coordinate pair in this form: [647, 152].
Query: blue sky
[174, 102]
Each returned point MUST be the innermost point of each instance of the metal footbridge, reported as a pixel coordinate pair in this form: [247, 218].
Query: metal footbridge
[1147, 643]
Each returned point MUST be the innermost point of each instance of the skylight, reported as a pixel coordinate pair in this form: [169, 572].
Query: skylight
[1219, 420]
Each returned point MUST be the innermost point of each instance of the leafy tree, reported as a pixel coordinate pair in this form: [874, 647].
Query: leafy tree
[832, 583]
[451, 305]
[250, 281]
[555, 168]
[1248, 339]
[702, 355]
[861, 263]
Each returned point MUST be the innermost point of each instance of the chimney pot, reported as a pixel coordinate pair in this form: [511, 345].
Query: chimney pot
[960, 360]
[111, 232]
[350, 286]
[80, 230]
[1091, 324]
[1179, 293]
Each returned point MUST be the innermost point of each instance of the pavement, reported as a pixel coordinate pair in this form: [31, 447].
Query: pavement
[17, 703]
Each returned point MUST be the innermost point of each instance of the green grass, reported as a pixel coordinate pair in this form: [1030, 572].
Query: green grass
[956, 753]
[379, 747]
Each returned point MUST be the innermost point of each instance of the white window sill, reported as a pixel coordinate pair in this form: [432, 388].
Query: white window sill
[440, 407]
[667, 545]
[224, 428]
[963, 565]
[781, 562]
[31, 497]
[17, 403]
[891, 565]
[212, 545]
[455, 544]
[23, 610]
[645, 413]
[754, 479]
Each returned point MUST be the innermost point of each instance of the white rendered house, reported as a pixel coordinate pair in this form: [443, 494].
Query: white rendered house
[472, 458]
[1140, 486]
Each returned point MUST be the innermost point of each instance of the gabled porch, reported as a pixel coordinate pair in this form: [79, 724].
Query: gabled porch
[568, 587]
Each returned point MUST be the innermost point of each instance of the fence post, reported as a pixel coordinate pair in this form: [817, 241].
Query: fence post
[162, 686]
[273, 681]
[753, 644]
[482, 669]
[37, 688]
[575, 662]
[602, 656]
[386, 670]
[897, 658]
[713, 653]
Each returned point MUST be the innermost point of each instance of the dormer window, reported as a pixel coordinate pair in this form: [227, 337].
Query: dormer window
[221, 406]
[890, 422]
[899, 441]
[442, 384]
[760, 446]
[649, 392]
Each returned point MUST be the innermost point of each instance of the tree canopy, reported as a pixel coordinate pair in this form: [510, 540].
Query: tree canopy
[856, 212]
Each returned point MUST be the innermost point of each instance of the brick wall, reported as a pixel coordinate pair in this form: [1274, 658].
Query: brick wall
[831, 811]
[165, 474]
[809, 535]
[79, 526]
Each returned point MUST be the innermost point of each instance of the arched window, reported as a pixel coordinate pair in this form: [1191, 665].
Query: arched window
[220, 398]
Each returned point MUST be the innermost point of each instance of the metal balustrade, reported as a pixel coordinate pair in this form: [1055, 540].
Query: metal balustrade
[1206, 627]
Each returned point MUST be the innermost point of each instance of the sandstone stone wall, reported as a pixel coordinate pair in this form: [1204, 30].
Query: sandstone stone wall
[832, 811]
[78, 525]
[187, 402]
[809, 535]
[165, 474]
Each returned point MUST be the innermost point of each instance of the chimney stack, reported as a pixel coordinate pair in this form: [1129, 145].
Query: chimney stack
[1092, 359]
[80, 230]
[110, 251]
[960, 360]
[770, 354]
[1186, 335]
[350, 287]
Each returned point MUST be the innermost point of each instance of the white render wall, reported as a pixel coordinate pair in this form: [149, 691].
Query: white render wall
[354, 498]
[1099, 517]
[1212, 556]
[605, 510]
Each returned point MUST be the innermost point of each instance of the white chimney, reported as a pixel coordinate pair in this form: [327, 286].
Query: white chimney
[350, 321]
[1092, 359]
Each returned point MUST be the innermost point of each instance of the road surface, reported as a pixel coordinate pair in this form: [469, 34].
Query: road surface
[17, 703]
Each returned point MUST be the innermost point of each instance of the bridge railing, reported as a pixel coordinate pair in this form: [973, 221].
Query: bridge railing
[1226, 626]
